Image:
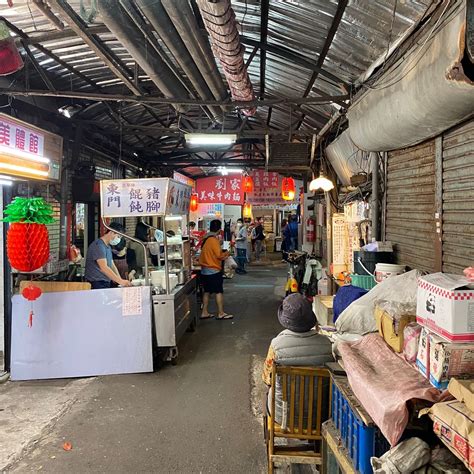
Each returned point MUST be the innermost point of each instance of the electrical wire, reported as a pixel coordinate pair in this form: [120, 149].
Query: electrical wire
[415, 60]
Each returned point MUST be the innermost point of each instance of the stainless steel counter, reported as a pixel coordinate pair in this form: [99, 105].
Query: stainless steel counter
[174, 313]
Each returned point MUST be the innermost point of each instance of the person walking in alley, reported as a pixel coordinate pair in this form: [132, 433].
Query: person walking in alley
[259, 237]
[291, 234]
[241, 235]
[211, 260]
[298, 344]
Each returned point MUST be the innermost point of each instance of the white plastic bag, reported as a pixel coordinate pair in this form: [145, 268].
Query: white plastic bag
[230, 262]
[405, 457]
[358, 317]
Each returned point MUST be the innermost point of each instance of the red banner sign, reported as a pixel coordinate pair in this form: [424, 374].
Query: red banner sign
[267, 189]
[220, 189]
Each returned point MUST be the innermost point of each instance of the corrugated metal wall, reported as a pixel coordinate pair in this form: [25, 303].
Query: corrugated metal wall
[410, 220]
[458, 198]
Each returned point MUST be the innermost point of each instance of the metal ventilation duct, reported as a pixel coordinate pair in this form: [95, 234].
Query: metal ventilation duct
[117, 21]
[159, 19]
[430, 90]
[185, 23]
[346, 158]
[219, 18]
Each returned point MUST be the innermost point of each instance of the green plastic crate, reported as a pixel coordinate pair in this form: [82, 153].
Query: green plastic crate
[363, 281]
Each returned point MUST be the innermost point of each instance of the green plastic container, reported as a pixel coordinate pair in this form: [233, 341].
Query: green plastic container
[363, 281]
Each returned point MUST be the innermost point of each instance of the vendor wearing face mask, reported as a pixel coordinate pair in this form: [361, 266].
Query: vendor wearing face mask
[100, 267]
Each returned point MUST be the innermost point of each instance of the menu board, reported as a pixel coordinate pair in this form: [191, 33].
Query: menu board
[144, 197]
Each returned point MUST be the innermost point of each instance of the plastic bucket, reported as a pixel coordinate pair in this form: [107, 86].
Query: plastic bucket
[387, 270]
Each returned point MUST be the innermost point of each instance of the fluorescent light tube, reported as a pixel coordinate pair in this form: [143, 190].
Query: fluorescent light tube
[24, 154]
[5, 182]
[210, 138]
[23, 169]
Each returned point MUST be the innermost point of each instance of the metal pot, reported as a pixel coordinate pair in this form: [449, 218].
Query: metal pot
[181, 277]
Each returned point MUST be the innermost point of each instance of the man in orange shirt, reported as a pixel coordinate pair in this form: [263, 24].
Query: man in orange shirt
[212, 276]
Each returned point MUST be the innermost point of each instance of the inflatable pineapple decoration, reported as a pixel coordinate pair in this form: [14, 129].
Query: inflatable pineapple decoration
[27, 237]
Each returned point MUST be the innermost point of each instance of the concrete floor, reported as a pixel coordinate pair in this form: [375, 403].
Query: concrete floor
[198, 416]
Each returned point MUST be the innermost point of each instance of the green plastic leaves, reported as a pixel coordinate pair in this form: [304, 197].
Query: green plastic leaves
[29, 210]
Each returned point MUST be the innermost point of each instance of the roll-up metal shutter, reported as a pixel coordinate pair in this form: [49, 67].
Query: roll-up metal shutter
[410, 218]
[458, 198]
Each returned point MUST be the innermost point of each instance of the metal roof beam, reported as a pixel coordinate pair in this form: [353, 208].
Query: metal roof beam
[107, 57]
[341, 7]
[66, 33]
[153, 99]
[42, 73]
[264, 12]
[295, 58]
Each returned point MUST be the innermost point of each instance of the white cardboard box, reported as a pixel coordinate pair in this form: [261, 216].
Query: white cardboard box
[445, 308]
[449, 360]
[423, 356]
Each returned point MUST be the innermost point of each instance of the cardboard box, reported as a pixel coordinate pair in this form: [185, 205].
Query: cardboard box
[387, 327]
[322, 307]
[449, 360]
[463, 390]
[423, 356]
[453, 423]
[446, 306]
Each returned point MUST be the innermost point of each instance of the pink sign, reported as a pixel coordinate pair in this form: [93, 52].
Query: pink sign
[20, 138]
[220, 189]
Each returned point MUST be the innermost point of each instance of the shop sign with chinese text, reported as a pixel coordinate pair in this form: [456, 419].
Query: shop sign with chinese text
[144, 197]
[19, 137]
[184, 179]
[267, 189]
[220, 189]
[29, 151]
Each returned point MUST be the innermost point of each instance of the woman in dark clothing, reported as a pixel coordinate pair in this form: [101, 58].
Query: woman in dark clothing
[284, 223]
[138, 261]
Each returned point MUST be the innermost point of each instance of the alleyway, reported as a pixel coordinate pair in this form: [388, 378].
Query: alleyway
[194, 417]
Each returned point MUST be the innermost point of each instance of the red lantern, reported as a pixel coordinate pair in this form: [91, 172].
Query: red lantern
[288, 189]
[193, 204]
[10, 59]
[31, 292]
[248, 184]
[247, 211]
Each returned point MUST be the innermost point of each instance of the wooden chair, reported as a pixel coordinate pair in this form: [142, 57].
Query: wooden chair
[306, 399]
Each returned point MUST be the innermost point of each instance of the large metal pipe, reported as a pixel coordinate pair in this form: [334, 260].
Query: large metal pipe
[219, 19]
[185, 23]
[117, 20]
[428, 91]
[161, 22]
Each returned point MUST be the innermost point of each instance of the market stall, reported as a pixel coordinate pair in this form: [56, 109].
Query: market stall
[79, 332]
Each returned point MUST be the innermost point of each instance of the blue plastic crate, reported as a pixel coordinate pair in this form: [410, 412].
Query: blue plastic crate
[362, 442]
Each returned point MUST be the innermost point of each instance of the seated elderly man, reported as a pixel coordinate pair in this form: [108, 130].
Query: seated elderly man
[298, 344]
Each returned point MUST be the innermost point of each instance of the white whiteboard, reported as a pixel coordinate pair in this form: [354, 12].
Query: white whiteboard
[82, 333]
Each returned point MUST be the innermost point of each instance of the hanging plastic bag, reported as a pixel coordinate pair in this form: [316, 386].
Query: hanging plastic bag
[230, 262]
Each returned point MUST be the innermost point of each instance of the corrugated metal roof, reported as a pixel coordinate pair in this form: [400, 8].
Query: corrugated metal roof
[366, 30]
